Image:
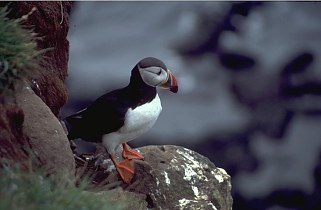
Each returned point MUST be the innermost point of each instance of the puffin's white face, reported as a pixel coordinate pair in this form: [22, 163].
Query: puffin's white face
[153, 75]
[157, 76]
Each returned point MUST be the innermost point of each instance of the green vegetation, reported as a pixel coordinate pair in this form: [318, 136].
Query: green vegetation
[32, 191]
[19, 56]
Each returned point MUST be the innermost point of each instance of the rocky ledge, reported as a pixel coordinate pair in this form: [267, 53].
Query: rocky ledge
[170, 177]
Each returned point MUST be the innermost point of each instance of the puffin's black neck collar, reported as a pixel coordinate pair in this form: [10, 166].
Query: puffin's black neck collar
[139, 89]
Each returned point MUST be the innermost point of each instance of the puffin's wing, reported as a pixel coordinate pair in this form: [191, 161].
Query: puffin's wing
[105, 115]
[75, 117]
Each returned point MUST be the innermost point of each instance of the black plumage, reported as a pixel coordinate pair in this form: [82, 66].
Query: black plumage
[107, 113]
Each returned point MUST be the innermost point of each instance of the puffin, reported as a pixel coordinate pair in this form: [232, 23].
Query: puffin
[124, 114]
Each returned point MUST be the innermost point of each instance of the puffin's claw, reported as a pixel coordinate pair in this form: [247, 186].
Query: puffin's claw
[130, 153]
[124, 168]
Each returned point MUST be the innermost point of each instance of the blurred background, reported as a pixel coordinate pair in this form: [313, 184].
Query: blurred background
[249, 86]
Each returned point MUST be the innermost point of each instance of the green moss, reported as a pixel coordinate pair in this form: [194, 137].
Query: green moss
[19, 56]
[32, 191]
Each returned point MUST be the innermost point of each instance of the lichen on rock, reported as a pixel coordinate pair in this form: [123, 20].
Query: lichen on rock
[187, 180]
[173, 177]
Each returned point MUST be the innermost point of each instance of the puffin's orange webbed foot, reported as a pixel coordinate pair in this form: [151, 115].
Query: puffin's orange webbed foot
[130, 153]
[125, 169]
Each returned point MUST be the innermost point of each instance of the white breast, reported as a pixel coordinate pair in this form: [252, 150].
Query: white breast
[137, 122]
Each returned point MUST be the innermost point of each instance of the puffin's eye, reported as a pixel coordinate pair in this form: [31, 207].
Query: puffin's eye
[160, 71]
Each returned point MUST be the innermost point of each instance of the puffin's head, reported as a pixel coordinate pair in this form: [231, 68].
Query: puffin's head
[155, 73]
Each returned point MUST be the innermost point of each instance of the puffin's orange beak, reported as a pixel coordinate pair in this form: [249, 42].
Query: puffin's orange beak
[170, 83]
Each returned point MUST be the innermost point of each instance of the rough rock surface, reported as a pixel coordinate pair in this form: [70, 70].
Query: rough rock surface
[173, 177]
[11, 134]
[47, 139]
[50, 22]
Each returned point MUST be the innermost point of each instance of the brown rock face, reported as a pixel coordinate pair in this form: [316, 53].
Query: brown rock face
[31, 127]
[12, 140]
[50, 22]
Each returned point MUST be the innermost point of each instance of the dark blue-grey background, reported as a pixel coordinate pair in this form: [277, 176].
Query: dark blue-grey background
[249, 86]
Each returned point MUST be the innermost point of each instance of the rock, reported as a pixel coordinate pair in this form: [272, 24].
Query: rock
[170, 177]
[174, 177]
[51, 22]
[46, 136]
[12, 139]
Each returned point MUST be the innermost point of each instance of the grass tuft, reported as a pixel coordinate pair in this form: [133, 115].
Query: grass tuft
[19, 56]
[21, 190]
